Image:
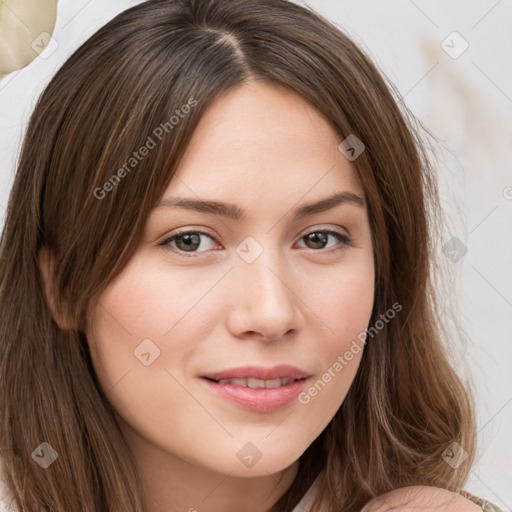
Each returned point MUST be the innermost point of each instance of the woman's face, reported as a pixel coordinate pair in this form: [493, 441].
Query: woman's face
[251, 287]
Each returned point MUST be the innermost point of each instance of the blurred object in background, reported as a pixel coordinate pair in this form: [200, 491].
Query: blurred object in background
[26, 28]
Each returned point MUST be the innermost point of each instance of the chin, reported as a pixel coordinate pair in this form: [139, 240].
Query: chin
[249, 459]
[260, 470]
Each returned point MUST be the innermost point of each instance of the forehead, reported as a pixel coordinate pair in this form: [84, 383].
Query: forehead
[262, 141]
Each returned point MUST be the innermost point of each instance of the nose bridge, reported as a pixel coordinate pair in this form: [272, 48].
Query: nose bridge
[263, 299]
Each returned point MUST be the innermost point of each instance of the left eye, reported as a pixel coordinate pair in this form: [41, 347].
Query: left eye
[190, 241]
[321, 237]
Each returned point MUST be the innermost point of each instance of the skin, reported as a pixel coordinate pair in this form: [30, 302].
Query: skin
[266, 150]
[422, 498]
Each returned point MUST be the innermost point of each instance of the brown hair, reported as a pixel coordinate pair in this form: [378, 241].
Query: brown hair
[406, 404]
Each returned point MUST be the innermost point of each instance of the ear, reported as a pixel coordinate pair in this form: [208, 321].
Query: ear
[47, 266]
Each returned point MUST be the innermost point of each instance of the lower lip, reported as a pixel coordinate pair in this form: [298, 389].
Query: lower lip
[261, 399]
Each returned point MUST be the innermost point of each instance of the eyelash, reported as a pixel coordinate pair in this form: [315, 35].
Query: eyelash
[344, 239]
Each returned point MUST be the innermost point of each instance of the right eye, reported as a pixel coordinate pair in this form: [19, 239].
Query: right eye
[186, 241]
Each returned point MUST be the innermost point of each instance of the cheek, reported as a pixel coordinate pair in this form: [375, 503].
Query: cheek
[146, 316]
[344, 312]
[346, 301]
[151, 301]
[148, 302]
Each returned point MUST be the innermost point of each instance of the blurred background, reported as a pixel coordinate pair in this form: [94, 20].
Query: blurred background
[450, 61]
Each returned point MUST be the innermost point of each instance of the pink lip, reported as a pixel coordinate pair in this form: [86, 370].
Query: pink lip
[259, 372]
[258, 400]
[264, 400]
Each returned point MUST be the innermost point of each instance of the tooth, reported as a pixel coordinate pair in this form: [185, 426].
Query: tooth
[255, 383]
[275, 383]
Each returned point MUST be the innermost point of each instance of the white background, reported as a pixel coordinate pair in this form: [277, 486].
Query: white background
[465, 101]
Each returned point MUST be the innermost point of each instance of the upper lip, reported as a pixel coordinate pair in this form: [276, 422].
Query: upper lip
[259, 372]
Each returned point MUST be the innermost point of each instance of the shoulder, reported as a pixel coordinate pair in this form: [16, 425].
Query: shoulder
[421, 498]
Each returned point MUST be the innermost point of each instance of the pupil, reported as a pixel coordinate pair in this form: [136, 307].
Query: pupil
[191, 241]
[318, 239]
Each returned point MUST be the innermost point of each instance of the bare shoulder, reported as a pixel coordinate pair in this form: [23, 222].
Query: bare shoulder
[421, 498]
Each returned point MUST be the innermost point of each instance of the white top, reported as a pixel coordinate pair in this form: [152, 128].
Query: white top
[6, 497]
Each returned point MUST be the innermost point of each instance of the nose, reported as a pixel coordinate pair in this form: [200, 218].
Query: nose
[263, 304]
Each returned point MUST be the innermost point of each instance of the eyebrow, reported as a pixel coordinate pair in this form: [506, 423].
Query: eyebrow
[233, 211]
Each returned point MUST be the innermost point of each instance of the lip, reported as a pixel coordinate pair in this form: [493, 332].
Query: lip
[262, 400]
[259, 372]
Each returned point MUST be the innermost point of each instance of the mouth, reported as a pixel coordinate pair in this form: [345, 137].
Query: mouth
[258, 389]
[254, 383]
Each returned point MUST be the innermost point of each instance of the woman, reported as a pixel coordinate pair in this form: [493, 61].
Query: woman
[188, 176]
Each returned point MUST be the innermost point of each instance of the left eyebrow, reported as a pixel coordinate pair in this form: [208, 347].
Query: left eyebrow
[233, 211]
[328, 203]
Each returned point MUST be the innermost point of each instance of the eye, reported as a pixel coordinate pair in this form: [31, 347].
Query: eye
[318, 239]
[186, 241]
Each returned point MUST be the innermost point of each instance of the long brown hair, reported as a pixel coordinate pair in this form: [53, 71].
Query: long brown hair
[406, 405]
